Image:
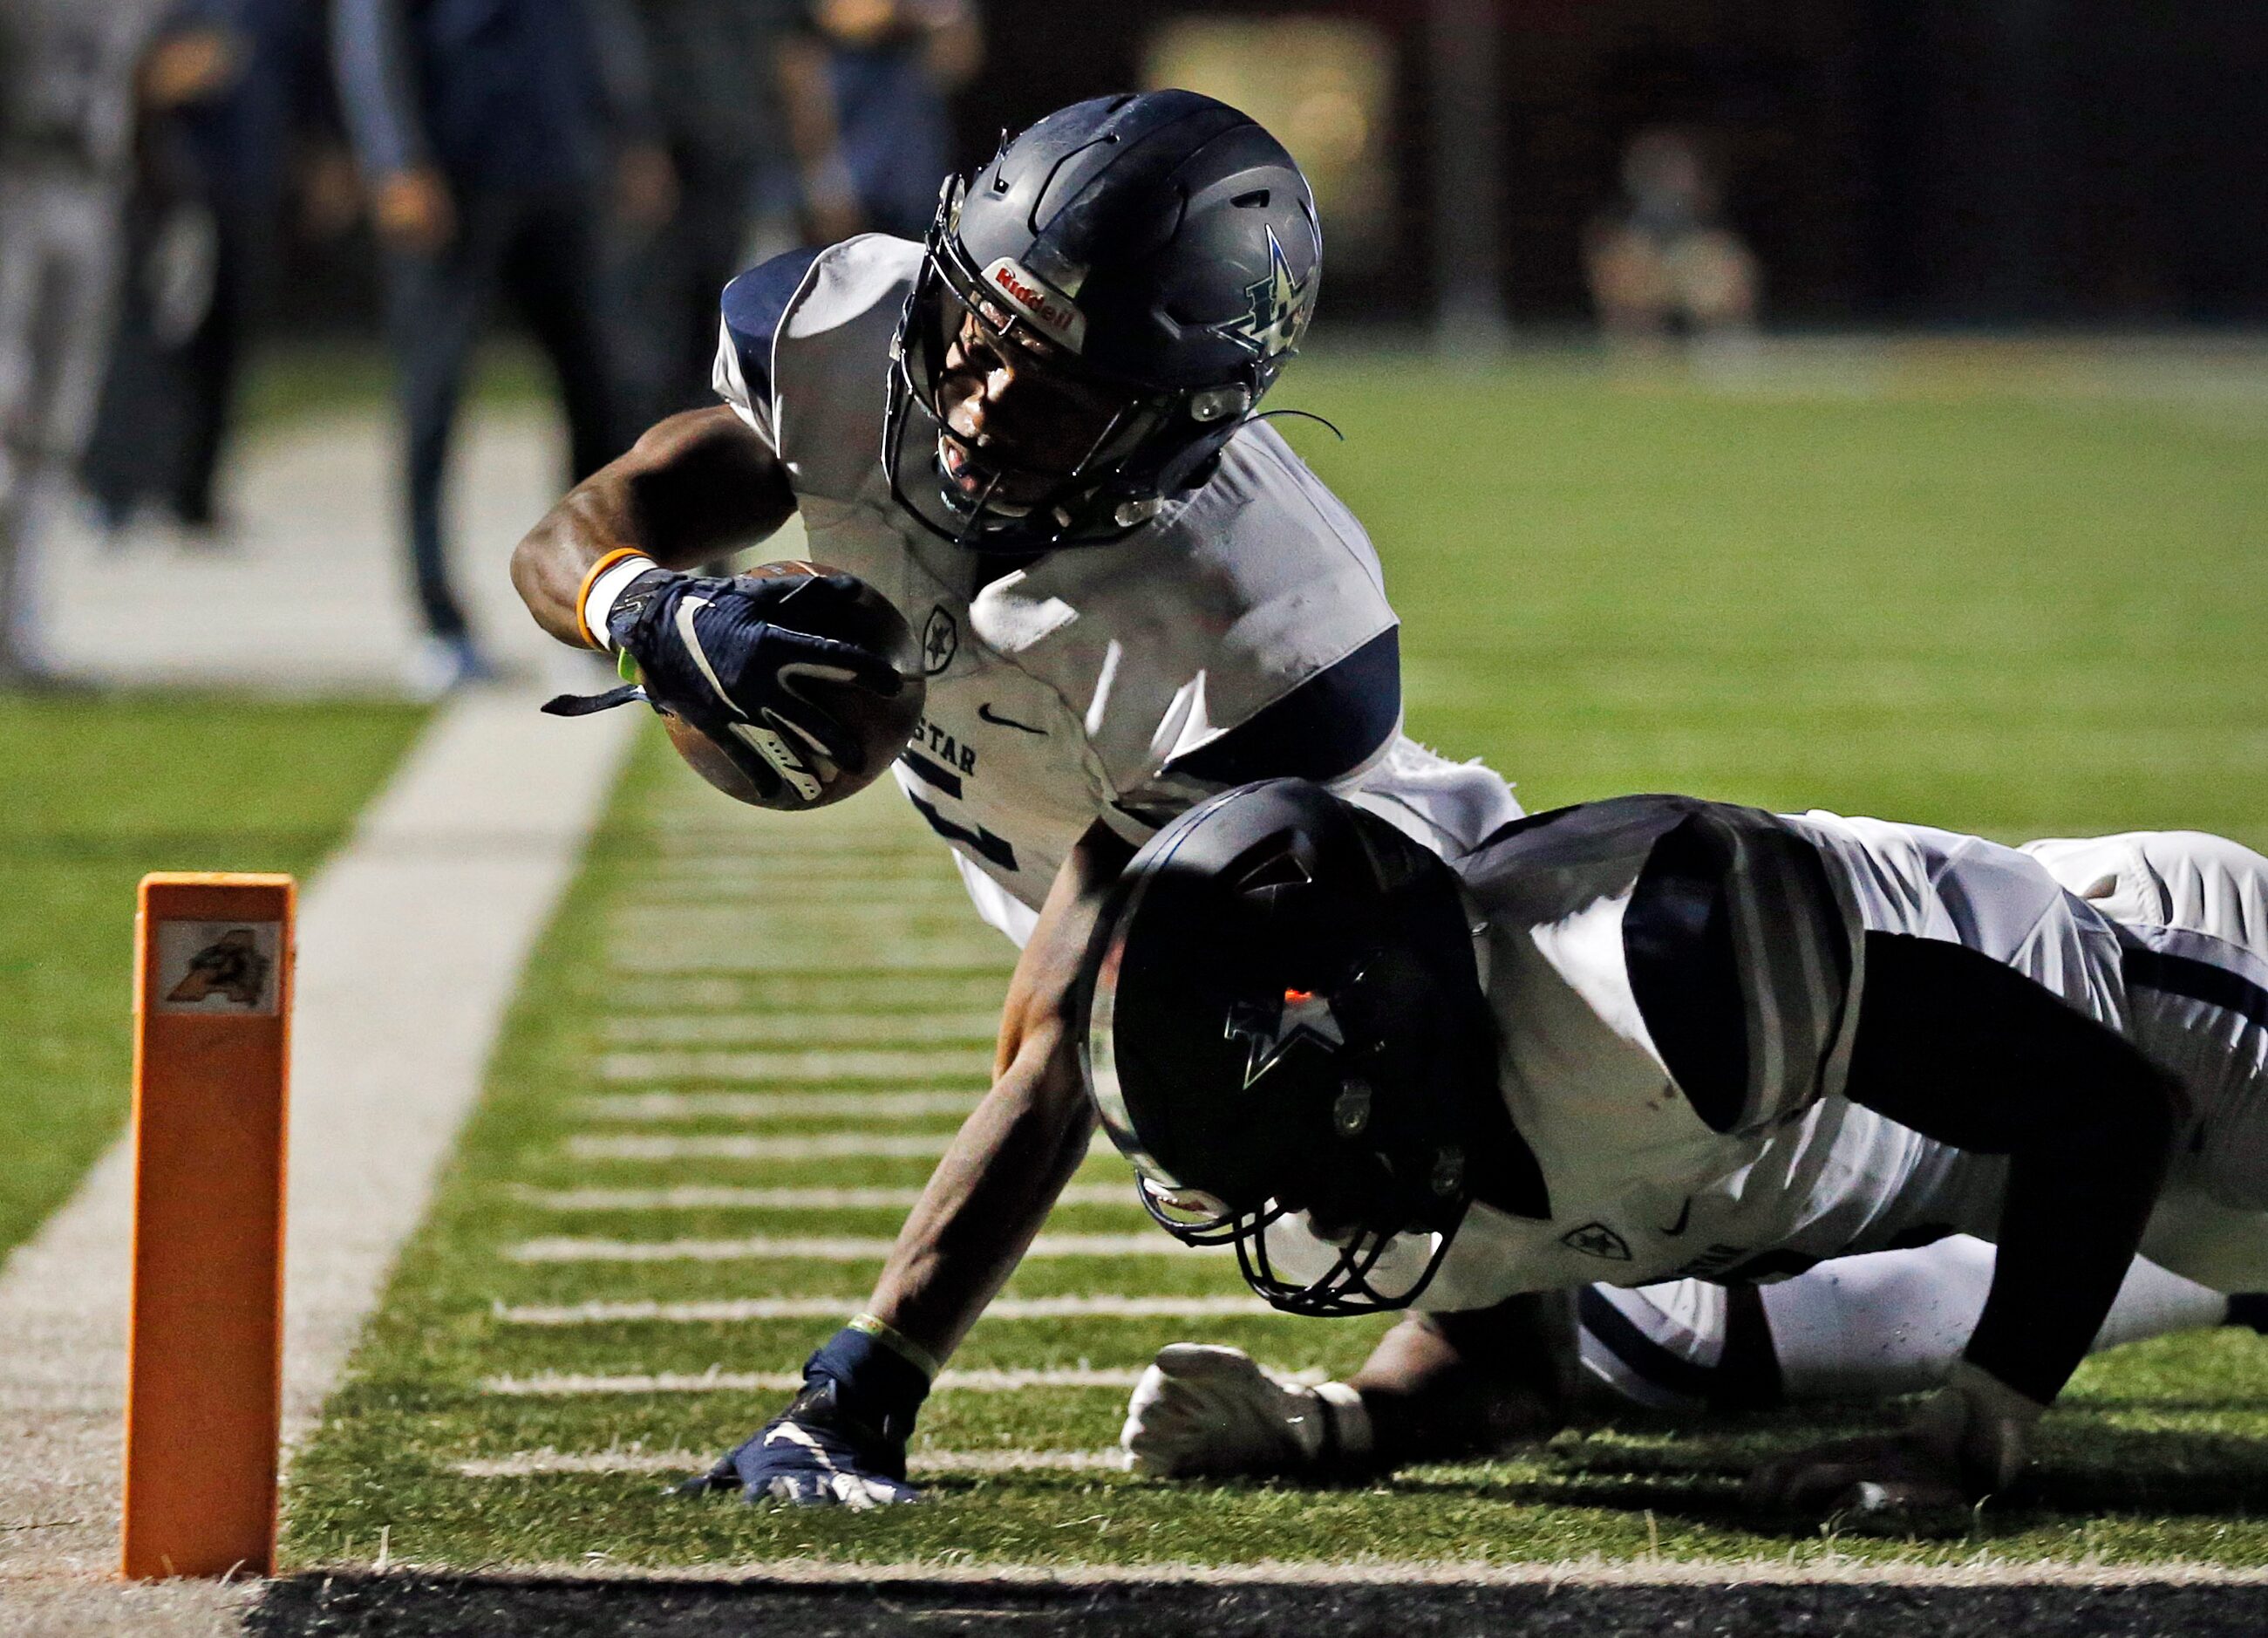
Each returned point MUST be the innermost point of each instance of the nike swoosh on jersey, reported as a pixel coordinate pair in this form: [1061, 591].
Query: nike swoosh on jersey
[985, 712]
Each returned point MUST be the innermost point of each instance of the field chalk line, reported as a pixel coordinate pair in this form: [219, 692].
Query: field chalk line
[665, 1106]
[545, 1464]
[725, 1198]
[786, 1146]
[569, 1384]
[733, 1310]
[822, 1249]
[1822, 1566]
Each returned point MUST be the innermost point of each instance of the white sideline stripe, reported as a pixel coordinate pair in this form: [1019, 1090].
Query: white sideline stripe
[541, 1464]
[919, 1063]
[827, 1146]
[568, 1385]
[762, 1105]
[817, 1249]
[695, 1197]
[731, 1310]
[802, 1028]
[411, 941]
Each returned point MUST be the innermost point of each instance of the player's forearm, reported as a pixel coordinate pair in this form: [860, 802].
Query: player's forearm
[1441, 1386]
[2072, 1218]
[696, 486]
[1000, 1178]
[1961, 1049]
[986, 1200]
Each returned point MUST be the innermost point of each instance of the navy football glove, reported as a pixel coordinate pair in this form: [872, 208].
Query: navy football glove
[842, 1441]
[721, 654]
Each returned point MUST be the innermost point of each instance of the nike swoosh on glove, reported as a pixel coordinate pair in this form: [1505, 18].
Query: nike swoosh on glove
[722, 655]
[811, 1454]
[1201, 1411]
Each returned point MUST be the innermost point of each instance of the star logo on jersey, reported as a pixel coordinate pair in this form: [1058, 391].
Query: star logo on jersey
[1597, 1240]
[1273, 1028]
[1281, 306]
[941, 637]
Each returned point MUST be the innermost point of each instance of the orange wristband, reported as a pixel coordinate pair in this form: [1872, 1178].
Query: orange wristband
[583, 592]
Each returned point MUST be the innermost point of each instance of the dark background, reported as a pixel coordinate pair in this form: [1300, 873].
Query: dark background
[1932, 161]
[1946, 163]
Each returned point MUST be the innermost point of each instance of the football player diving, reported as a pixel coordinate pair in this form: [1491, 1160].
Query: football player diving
[1038, 434]
[1653, 1038]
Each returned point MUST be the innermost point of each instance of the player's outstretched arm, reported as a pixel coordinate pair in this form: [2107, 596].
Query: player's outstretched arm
[696, 486]
[842, 1440]
[1437, 1387]
[1964, 1050]
[998, 1180]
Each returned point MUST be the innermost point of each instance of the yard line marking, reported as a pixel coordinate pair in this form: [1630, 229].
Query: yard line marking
[825, 1145]
[907, 1064]
[795, 1147]
[569, 1384]
[764, 1106]
[697, 1196]
[817, 1249]
[802, 1028]
[539, 1464]
[979, 984]
[724, 908]
[660, 959]
[733, 1310]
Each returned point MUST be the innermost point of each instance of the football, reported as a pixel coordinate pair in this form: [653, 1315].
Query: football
[881, 724]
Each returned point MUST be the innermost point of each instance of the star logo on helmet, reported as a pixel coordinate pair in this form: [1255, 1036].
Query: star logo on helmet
[1272, 1028]
[1281, 306]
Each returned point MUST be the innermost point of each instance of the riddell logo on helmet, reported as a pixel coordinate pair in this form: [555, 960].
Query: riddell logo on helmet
[1055, 316]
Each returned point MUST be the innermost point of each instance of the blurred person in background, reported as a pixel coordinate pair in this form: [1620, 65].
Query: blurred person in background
[68, 98]
[231, 89]
[488, 131]
[867, 85]
[737, 181]
[1662, 256]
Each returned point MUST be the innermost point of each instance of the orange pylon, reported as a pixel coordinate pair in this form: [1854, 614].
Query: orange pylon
[212, 1008]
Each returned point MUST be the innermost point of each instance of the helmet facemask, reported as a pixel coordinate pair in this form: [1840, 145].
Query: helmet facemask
[1155, 444]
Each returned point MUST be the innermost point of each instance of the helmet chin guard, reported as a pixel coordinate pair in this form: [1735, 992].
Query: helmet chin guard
[1161, 250]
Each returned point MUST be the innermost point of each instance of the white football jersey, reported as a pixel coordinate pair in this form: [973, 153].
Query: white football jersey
[1243, 633]
[1753, 1164]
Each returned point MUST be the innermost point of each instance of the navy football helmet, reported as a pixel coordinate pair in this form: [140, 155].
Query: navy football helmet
[1158, 256]
[1284, 1017]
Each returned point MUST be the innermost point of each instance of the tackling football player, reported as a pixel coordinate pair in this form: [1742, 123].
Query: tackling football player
[1038, 435]
[1654, 1038]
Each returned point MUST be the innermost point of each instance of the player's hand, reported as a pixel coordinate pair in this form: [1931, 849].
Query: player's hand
[1967, 1440]
[646, 185]
[732, 657]
[413, 211]
[1898, 1473]
[812, 1455]
[1206, 1412]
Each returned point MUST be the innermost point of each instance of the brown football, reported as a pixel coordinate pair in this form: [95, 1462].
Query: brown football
[882, 724]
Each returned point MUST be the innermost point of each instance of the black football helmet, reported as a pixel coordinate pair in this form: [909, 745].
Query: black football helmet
[1284, 1015]
[1161, 250]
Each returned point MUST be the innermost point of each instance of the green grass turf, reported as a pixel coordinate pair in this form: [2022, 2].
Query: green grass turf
[93, 793]
[1983, 608]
